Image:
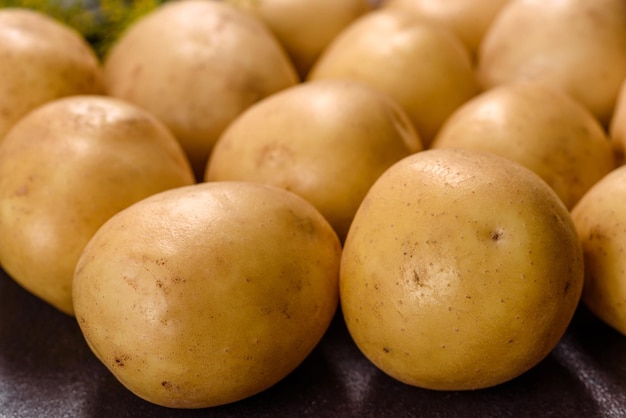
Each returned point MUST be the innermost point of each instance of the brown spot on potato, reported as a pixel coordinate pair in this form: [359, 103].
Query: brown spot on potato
[496, 235]
[120, 360]
[417, 279]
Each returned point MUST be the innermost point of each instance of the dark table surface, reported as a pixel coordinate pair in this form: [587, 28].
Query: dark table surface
[47, 370]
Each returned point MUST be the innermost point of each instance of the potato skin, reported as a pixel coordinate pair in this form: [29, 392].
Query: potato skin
[574, 45]
[208, 294]
[468, 19]
[65, 168]
[325, 140]
[538, 126]
[421, 65]
[600, 218]
[41, 60]
[305, 27]
[461, 270]
[197, 65]
[617, 127]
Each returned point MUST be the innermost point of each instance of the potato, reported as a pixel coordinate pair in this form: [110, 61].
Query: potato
[468, 19]
[65, 168]
[305, 27]
[422, 66]
[196, 65]
[41, 60]
[600, 219]
[325, 140]
[576, 45]
[541, 128]
[461, 270]
[208, 294]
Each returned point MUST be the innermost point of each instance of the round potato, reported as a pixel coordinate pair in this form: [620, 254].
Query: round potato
[468, 19]
[197, 65]
[41, 60]
[421, 65]
[65, 168]
[576, 45]
[305, 27]
[541, 128]
[600, 219]
[325, 140]
[208, 294]
[461, 270]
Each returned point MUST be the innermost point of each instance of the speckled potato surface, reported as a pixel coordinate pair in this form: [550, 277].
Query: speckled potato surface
[600, 219]
[461, 270]
[208, 294]
[41, 60]
[325, 140]
[65, 168]
[197, 65]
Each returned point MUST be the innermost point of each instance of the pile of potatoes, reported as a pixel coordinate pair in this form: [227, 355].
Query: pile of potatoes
[205, 198]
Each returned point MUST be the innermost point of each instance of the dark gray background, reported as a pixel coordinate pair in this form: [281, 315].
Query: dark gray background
[47, 370]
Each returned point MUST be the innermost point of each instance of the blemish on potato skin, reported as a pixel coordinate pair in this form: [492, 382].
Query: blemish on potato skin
[566, 288]
[120, 360]
[497, 235]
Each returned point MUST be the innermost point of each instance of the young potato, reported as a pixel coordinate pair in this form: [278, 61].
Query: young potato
[305, 27]
[600, 219]
[461, 270]
[421, 65]
[576, 45]
[541, 128]
[65, 168]
[197, 65]
[325, 140]
[468, 19]
[41, 60]
[208, 294]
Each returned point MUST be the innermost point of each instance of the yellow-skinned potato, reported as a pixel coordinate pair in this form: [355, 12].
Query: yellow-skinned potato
[600, 218]
[208, 294]
[41, 60]
[461, 270]
[576, 45]
[305, 27]
[197, 65]
[65, 168]
[617, 127]
[539, 127]
[325, 140]
[468, 19]
[421, 65]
